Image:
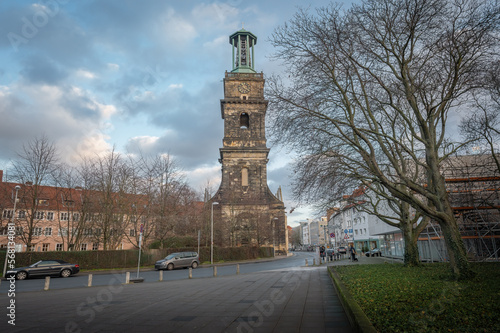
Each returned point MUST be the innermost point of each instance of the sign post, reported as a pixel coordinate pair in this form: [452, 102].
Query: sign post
[138, 279]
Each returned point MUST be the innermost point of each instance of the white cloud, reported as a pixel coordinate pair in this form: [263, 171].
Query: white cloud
[114, 67]
[175, 86]
[177, 30]
[85, 74]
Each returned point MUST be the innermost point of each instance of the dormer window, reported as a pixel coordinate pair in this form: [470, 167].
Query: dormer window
[68, 203]
[244, 120]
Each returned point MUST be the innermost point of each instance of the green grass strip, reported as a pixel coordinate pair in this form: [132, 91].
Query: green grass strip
[396, 298]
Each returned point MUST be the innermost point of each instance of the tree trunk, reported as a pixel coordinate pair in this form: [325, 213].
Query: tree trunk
[460, 266]
[411, 256]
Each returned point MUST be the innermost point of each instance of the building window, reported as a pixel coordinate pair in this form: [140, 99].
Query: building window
[39, 215]
[7, 213]
[97, 232]
[48, 231]
[64, 217]
[68, 203]
[32, 248]
[244, 120]
[95, 246]
[76, 217]
[19, 231]
[43, 202]
[37, 231]
[50, 216]
[21, 214]
[244, 177]
[63, 232]
[87, 231]
[132, 232]
[59, 247]
[83, 247]
[45, 247]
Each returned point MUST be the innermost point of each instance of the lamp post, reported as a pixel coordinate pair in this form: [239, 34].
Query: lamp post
[212, 232]
[17, 188]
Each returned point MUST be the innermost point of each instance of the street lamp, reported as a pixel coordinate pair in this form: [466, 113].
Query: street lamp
[17, 188]
[212, 232]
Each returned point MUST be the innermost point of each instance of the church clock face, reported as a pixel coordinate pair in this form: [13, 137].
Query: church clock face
[244, 88]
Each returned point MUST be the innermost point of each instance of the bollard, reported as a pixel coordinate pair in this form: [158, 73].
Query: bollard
[47, 283]
[89, 284]
[237, 269]
[127, 278]
[190, 273]
[306, 262]
[161, 275]
[215, 270]
[314, 261]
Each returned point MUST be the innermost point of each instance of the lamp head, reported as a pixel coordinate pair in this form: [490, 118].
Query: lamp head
[17, 188]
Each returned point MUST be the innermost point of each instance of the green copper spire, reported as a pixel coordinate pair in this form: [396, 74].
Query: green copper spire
[243, 43]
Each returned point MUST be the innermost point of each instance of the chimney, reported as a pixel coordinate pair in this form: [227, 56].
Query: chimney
[29, 183]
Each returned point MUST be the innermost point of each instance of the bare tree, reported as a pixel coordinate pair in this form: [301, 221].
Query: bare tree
[482, 126]
[34, 168]
[366, 80]
[108, 184]
[71, 208]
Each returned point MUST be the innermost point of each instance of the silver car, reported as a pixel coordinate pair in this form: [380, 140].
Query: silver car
[178, 260]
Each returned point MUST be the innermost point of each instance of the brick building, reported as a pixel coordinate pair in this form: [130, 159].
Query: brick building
[49, 218]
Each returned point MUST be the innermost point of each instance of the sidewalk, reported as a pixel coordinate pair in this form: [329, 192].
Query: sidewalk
[299, 299]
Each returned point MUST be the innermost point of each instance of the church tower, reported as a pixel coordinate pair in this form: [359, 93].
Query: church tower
[245, 210]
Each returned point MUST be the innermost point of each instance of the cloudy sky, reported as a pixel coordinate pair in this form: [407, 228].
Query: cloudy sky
[93, 75]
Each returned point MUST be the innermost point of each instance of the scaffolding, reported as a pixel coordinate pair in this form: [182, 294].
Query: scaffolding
[473, 186]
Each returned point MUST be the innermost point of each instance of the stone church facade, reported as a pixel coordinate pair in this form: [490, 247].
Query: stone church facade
[245, 211]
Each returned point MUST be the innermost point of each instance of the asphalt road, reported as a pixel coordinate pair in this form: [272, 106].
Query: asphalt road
[277, 296]
[102, 279]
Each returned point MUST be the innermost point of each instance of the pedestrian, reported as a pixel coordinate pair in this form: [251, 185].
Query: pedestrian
[353, 253]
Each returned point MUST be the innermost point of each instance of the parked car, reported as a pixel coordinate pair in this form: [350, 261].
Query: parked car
[374, 253]
[178, 260]
[44, 268]
[341, 250]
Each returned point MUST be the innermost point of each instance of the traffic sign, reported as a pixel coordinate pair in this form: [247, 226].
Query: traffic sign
[346, 236]
[332, 235]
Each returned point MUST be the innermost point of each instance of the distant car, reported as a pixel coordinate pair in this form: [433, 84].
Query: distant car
[374, 253]
[342, 250]
[44, 268]
[178, 260]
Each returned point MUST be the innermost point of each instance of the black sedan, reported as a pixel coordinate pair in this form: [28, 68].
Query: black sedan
[44, 268]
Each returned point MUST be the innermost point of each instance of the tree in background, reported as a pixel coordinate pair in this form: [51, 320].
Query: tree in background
[482, 126]
[34, 168]
[370, 90]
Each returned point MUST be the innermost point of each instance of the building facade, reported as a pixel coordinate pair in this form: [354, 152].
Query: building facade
[245, 211]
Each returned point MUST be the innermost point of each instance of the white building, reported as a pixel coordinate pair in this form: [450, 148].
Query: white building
[353, 226]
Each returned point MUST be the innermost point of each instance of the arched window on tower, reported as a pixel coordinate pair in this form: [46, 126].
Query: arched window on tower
[244, 120]
[244, 177]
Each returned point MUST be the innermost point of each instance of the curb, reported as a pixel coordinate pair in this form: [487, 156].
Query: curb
[359, 320]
